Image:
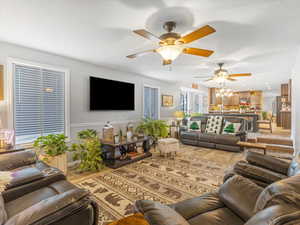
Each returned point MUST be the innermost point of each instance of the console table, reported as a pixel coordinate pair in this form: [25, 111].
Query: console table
[112, 153]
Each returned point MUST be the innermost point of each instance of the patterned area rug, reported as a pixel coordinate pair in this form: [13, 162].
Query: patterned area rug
[193, 172]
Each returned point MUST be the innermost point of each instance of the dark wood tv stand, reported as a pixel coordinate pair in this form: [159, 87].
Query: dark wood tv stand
[112, 152]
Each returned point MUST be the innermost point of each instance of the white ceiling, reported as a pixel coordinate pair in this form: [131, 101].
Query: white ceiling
[257, 36]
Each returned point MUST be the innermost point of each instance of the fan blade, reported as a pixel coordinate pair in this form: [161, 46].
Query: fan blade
[231, 79]
[240, 75]
[140, 53]
[209, 79]
[197, 34]
[167, 62]
[147, 34]
[198, 52]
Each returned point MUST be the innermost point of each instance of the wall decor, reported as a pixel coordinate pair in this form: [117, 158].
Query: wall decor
[167, 100]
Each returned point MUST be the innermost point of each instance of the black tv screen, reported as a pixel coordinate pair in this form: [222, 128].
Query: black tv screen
[111, 95]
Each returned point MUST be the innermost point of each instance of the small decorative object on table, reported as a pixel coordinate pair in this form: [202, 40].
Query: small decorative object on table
[7, 138]
[108, 133]
[129, 132]
[116, 139]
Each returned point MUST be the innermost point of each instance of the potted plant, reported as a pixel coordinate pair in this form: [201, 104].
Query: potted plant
[88, 151]
[155, 129]
[52, 149]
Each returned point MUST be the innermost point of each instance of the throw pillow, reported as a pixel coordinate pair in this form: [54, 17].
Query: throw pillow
[195, 125]
[231, 128]
[214, 124]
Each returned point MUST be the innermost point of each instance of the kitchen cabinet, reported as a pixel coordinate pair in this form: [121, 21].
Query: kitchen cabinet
[285, 120]
[284, 89]
[290, 91]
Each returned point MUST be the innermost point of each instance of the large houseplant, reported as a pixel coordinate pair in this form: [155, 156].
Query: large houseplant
[52, 149]
[88, 151]
[154, 129]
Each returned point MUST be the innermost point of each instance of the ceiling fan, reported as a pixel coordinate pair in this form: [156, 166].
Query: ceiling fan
[171, 44]
[221, 75]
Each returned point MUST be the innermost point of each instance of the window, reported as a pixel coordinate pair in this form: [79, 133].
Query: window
[39, 102]
[191, 101]
[151, 102]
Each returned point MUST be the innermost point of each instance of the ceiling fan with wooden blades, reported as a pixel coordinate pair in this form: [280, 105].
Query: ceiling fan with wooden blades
[221, 75]
[172, 44]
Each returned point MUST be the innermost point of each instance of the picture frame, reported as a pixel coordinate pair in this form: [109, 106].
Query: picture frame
[167, 100]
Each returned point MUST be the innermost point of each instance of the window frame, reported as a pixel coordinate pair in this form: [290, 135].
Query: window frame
[158, 96]
[9, 90]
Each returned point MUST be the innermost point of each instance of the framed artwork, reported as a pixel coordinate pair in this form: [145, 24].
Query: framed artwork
[167, 100]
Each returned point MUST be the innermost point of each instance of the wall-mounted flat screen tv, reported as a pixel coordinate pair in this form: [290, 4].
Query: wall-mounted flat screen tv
[111, 95]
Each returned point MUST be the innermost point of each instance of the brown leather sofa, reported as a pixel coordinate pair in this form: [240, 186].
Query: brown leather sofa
[263, 169]
[40, 195]
[217, 141]
[239, 201]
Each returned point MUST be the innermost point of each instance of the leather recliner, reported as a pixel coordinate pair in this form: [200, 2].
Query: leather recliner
[239, 201]
[263, 169]
[40, 195]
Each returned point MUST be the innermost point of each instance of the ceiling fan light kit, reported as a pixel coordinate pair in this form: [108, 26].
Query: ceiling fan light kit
[170, 52]
[173, 44]
[221, 75]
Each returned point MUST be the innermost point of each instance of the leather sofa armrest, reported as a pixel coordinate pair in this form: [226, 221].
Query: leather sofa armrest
[258, 173]
[278, 214]
[228, 174]
[268, 162]
[47, 207]
[199, 205]
[15, 192]
[13, 160]
[240, 194]
[24, 176]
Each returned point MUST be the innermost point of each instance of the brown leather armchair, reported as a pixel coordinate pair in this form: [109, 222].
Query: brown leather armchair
[263, 169]
[40, 195]
[239, 201]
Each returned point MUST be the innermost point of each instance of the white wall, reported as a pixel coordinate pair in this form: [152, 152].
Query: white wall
[296, 105]
[80, 116]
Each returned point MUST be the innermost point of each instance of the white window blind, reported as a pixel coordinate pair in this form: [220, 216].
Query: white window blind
[39, 102]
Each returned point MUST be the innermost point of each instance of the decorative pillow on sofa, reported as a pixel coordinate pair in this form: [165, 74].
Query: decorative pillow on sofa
[231, 128]
[194, 125]
[214, 124]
